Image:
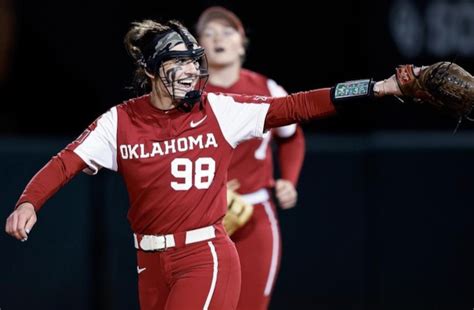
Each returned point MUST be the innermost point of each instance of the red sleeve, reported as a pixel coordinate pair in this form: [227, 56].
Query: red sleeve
[299, 107]
[54, 175]
[291, 152]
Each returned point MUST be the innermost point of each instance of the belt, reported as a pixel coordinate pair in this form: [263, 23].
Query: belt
[256, 197]
[163, 242]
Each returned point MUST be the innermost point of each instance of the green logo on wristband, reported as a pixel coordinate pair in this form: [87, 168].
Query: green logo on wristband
[352, 89]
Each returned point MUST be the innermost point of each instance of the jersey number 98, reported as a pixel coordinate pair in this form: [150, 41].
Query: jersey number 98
[200, 173]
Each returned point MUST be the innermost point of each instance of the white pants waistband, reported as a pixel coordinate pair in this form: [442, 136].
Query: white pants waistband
[256, 197]
[162, 242]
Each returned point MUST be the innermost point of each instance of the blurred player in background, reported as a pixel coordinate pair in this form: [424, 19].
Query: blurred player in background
[258, 242]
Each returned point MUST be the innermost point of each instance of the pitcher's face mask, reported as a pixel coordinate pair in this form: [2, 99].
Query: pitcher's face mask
[180, 63]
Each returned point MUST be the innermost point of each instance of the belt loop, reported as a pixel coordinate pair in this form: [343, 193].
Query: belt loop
[135, 241]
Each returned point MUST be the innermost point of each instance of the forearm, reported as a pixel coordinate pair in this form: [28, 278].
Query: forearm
[54, 175]
[291, 155]
[299, 107]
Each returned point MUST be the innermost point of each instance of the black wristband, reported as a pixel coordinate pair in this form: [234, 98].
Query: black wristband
[350, 90]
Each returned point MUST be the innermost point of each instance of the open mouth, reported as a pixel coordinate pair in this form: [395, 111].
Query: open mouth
[184, 84]
[219, 50]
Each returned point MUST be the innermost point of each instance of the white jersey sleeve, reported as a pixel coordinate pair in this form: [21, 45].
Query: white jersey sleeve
[278, 91]
[239, 121]
[97, 146]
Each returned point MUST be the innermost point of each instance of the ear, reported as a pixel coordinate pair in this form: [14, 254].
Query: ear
[241, 51]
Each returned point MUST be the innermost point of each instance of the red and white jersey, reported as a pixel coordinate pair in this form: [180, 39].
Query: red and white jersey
[252, 162]
[174, 164]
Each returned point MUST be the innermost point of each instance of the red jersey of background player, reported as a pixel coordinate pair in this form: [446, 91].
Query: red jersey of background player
[256, 154]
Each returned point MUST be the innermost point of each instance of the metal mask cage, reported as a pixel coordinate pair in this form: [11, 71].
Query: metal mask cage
[186, 102]
[193, 52]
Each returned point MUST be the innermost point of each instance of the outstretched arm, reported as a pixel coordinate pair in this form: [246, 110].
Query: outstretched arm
[94, 149]
[55, 174]
[318, 103]
[299, 107]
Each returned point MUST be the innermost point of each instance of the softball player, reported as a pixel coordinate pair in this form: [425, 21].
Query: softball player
[222, 35]
[173, 147]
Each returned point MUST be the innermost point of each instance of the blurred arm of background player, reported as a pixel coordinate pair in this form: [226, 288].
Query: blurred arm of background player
[291, 150]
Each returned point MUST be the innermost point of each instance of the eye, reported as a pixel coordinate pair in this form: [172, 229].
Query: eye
[229, 31]
[208, 33]
[183, 61]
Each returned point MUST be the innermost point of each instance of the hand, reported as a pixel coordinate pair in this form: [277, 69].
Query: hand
[387, 87]
[390, 86]
[21, 221]
[233, 185]
[286, 194]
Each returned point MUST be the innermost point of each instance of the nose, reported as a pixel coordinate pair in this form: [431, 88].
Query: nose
[191, 68]
[217, 36]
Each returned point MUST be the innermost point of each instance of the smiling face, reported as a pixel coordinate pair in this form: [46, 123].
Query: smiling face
[223, 43]
[177, 76]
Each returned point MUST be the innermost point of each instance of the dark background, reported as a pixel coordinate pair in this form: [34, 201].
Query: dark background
[68, 63]
[384, 220]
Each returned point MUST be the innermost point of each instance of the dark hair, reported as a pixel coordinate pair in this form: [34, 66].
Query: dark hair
[137, 43]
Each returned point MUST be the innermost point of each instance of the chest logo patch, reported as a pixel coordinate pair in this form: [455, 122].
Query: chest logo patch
[195, 124]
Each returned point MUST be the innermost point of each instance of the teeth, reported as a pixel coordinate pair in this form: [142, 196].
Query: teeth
[186, 83]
